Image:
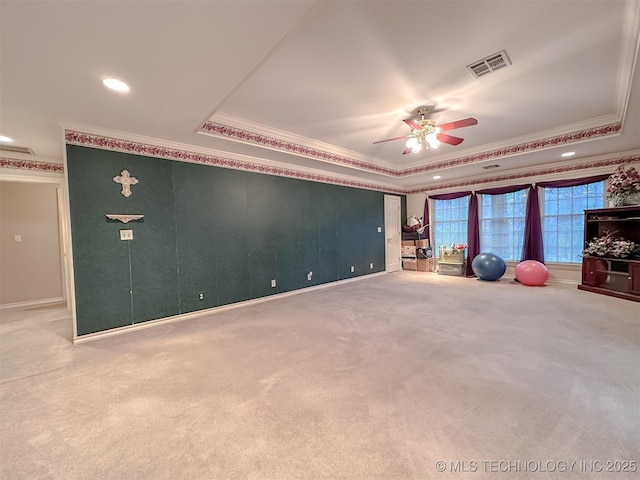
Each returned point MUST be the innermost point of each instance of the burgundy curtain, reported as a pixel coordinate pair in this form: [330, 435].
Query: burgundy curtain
[450, 196]
[473, 234]
[574, 182]
[532, 247]
[502, 190]
[425, 221]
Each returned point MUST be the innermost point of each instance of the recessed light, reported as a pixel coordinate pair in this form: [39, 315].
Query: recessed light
[5, 139]
[115, 84]
[568, 154]
[437, 177]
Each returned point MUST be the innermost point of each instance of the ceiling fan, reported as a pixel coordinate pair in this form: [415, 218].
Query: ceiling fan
[425, 133]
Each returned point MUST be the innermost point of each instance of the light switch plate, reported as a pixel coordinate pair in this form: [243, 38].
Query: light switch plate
[126, 234]
[379, 229]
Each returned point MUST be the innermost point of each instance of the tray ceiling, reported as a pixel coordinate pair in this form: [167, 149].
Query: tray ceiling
[310, 86]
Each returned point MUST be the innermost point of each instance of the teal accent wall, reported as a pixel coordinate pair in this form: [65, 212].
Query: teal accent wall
[220, 232]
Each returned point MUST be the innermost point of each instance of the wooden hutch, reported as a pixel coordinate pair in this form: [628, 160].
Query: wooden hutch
[617, 277]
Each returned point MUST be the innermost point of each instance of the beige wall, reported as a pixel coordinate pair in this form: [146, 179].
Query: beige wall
[30, 269]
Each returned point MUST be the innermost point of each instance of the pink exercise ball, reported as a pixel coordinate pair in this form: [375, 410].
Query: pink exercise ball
[532, 273]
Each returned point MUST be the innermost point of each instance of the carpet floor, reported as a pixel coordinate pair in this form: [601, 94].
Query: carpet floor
[400, 376]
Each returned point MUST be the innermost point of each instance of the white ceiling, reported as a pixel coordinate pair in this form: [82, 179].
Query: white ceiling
[333, 76]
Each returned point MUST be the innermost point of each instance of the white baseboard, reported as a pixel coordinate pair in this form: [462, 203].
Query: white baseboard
[33, 303]
[209, 311]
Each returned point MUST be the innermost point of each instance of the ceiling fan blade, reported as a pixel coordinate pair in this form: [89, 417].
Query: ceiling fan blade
[467, 122]
[391, 139]
[413, 124]
[450, 139]
[407, 150]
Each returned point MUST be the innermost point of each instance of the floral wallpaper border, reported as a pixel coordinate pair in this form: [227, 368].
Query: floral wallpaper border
[31, 165]
[125, 146]
[546, 171]
[289, 147]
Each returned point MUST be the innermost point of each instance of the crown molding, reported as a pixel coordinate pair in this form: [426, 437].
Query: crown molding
[628, 56]
[32, 165]
[120, 142]
[286, 142]
[566, 135]
[170, 151]
[521, 148]
[596, 165]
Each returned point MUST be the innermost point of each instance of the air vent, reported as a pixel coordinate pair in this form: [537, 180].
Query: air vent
[489, 64]
[16, 149]
[489, 167]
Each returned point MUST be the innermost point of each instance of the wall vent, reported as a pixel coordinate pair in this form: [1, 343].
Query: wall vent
[16, 149]
[489, 64]
[488, 167]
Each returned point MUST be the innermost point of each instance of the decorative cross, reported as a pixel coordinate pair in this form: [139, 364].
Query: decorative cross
[126, 180]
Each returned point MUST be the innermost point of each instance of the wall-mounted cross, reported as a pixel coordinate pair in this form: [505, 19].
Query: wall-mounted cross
[126, 180]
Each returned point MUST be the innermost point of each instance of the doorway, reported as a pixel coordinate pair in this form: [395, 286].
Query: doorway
[393, 236]
[32, 248]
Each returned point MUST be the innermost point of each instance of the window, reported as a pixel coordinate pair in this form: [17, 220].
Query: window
[451, 221]
[502, 224]
[563, 220]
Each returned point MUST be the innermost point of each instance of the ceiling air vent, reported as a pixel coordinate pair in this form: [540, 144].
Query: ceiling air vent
[488, 167]
[489, 64]
[16, 149]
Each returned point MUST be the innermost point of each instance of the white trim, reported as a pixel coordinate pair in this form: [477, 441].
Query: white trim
[590, 124]
[59, 180]
[66, 222]
[532, 174]
[31, 176]
[280, 135]
[550, 281]
[209, 311]
[33, 303]
[28, 157]
[558, 272]
[628, 57]
[288, 137]
[395, 231]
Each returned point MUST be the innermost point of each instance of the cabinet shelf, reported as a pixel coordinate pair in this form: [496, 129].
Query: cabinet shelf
[614, 220]
[614, 259]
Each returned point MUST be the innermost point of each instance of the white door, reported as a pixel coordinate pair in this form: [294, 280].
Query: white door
[392, 223]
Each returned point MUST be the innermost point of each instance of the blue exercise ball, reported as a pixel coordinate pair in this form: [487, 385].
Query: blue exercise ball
[488, 266]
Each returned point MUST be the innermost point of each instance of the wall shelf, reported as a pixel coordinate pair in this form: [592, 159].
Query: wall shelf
[124, 217]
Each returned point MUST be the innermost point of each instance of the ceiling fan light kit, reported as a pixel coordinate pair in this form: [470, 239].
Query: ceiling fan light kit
[426, 134]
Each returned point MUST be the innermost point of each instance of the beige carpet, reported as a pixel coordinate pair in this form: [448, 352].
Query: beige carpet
[376, 379]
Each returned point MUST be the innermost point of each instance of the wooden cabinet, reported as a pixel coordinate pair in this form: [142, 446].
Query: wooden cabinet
[618, 277]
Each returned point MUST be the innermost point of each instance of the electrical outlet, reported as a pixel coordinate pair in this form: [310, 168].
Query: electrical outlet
[201, 296]
[273, 284]
[309, 275]
[379, 229]
[126, 234]
[371, 266]
[353, 269]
